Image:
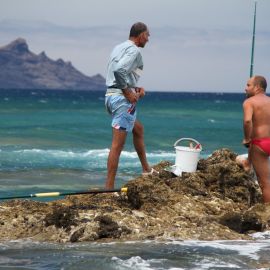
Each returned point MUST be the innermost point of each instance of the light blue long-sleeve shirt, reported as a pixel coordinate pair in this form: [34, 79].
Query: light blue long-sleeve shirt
[124, 67]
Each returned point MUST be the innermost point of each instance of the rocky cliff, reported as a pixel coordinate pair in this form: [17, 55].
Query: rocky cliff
[219, 201]
[22, 69]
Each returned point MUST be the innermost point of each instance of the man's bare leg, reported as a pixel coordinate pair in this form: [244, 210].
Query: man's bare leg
[118, 142]
[138, 141]
[260, 162]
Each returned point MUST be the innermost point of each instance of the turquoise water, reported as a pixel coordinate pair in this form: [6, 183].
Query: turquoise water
[60, 140]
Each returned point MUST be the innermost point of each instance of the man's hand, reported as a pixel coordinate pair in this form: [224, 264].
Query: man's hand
[246, 142]
[140, 91]
[130, 95]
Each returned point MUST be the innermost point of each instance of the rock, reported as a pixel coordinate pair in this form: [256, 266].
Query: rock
[254, 219]
[107, 227]
[76, 235]
[23, 69]
[233, 221]
[61, 217]
[218, 201]
[257, 218]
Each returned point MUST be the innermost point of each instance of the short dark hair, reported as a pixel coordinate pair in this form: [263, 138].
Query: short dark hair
[260, 81]
[137, 28]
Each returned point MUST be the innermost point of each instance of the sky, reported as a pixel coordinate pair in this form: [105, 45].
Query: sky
[194, 45]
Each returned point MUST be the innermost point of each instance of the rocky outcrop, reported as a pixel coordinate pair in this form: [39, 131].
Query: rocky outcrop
[22, 69]
[219, 201]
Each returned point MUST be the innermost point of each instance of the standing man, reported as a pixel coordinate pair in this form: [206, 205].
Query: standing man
[123, 72]
[256, 126]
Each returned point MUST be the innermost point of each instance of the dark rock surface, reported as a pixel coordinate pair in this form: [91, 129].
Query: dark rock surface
[22, 69]
[219, 201]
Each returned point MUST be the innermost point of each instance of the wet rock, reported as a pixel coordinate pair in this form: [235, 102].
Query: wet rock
[233, 221]
[218, 201]
[254, 219]
[74, 237]
[257, 218]
[61, 217]
[107, 227]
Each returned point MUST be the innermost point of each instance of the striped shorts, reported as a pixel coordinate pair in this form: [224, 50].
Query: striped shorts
[122, 111]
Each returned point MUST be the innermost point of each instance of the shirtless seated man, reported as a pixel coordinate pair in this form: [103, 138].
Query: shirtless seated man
[256, 124]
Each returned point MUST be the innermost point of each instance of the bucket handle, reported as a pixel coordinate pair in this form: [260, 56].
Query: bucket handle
[198, 145]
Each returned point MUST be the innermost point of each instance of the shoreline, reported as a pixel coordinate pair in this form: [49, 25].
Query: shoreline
[220, 201]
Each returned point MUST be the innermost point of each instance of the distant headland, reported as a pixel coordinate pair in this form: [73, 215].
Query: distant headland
[23, 69]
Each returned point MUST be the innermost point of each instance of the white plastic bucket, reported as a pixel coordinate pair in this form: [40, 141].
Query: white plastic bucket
[187, 158]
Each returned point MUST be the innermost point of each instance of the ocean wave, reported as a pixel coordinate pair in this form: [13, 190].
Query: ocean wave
[140, 255]
[83, 154]
[5, 260]
[43, 101]
[91, 160]
[218, 101]
[261, 235]
[214, 263]
[245, 248]
[136, 262]
[94, 159]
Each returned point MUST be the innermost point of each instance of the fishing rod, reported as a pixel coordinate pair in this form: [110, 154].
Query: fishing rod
[253, 42]
[56, 194]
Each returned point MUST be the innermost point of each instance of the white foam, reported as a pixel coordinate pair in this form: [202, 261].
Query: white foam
[91, 153]
[97, 152]
[137, 263]
[25, 243]
[245, 248]
[214, 262]
[41, 152]
[261, 235]
[162, 154]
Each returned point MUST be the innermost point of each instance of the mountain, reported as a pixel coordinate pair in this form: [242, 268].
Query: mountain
[22, 69]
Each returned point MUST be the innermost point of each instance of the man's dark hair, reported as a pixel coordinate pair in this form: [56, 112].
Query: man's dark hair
[137, 29]
[261, 82]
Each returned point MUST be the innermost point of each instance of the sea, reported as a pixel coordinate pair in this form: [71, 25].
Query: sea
[60, 140]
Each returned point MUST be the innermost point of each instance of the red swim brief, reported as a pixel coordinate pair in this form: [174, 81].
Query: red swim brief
[263, 143]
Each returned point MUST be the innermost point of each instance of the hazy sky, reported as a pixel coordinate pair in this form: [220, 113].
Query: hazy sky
[195, 45]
